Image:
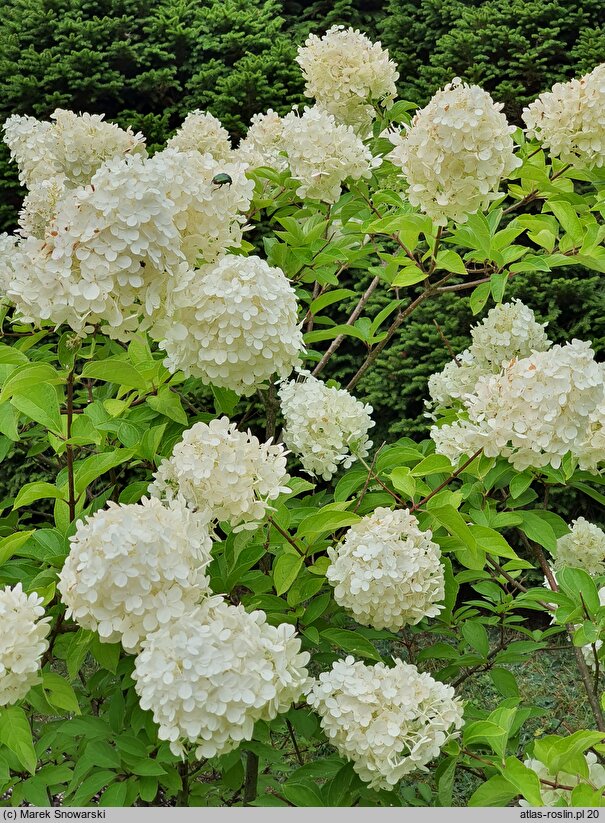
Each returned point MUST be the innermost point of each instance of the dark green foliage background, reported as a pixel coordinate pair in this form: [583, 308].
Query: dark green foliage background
[146, 63]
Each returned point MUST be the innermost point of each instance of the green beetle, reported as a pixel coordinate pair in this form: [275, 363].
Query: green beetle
[222, 179]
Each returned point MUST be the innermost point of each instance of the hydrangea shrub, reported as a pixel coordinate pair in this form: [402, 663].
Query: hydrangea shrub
[209, 605]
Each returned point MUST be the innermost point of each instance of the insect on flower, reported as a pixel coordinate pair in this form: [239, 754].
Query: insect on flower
[222, 179]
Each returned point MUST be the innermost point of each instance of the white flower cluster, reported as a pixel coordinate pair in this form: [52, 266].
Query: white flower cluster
[322, 154]
[201, 131]
[210, 675]
[104, 236]
[387, 572]
[590, 450]
[552, 796]
[457, 379]
[455, 153]
[570, 120]
[263, 144]
[135, 568]
[234, 324]
[22, 642]
[209, 218]
[509, 330]
[344, 71]
[229, 474]
[388, 721]
[536, 410]
[325, 427]
[74, 146]
[582, 548]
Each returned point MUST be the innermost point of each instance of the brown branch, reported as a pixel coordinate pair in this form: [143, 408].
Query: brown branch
[581, 663]
[373, 354]
[286, 536]
[335, 344]
[447, 343]
[445, 483]
[69, 451]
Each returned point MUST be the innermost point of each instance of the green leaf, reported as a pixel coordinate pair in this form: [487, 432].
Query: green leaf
[486, 731]
[479, 297]
[9, 355]
[40, 403]
[433, 464]
[9, 418]
[455, 524]
[97, 464]
[402, 480]
[580, 587]
[505, 682]
[91, 786]
[496, 791]
[445, 774]
[26, 376]
[147, 768]
[16, 735]
[538, 530]
[334, 331]
[59, 693]
[450, 261]
[409, 276]
[476, 636]
[169, 404]
[115, 370]
[328, 298]
[519, 483]
[556, 752]
[567, 217]
[525, 780]
[225, 400]
[36, 491]
[285, 571]
[69, 345]
[302, 794]
[114, 795]
[498, 283]
[492, 542]
[351, 642]
[107, 655]
[326, 521]
[9, 545]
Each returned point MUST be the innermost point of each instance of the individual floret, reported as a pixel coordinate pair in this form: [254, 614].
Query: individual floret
[227, 473]
[455, 153]
[326, 427]
[133, 569]
[22, 642]
[388, 721]
[234, 324]
[344, 71]
[211, 674]
[387, 572]
[570, 120]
